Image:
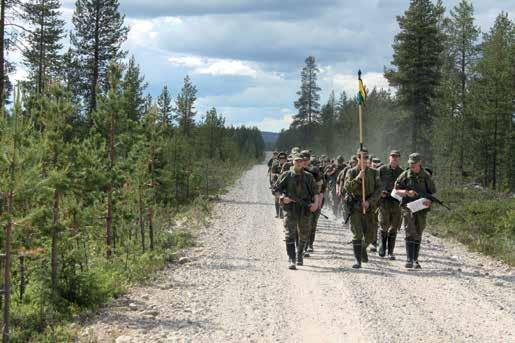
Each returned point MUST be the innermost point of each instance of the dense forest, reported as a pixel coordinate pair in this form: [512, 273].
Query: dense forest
[93, 169]
[452, 99]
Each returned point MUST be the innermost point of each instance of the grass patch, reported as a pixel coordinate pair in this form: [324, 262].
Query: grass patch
[481, 219]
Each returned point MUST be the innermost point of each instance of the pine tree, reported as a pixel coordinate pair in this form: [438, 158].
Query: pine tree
[134, 85]
[98, 34]
[55, 110]
[463, 51]
[42, 57]
[185, 104]
[417, 68]
[308, 105]
[109, 119]
[327, 119]
[164, 104]
[493, 94]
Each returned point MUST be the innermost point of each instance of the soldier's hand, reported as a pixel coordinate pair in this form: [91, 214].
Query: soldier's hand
[366, 205]
[411, 193]
[313, 207]
[427, 202]
[384, 194]
[361, 174]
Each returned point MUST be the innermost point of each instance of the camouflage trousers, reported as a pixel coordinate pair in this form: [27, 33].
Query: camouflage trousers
[414, 223]
[296, 226]
[363, 226]
[314, 222]
[389, 215]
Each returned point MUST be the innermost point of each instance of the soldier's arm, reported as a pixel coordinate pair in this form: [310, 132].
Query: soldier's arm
[373, 199]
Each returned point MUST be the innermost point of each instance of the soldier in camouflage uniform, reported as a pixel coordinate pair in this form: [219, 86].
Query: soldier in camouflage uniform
[298, 184]
[340, 181]
[289, 163]
[332, 177]
[319, 196]
[412, 184]
[389, 208]
[362, 224]
[275, 172]
[269, 164]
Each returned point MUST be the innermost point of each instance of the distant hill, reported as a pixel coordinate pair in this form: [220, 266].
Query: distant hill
[270, 139]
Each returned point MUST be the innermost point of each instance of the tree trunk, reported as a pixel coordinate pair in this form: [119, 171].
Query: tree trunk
[2, 58]
[55, 233]
[41, 49]
[141, 219]
[109, 220]
[151, 227]
[96, 60]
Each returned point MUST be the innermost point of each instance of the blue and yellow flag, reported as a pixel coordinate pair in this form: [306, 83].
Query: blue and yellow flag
[362, 92]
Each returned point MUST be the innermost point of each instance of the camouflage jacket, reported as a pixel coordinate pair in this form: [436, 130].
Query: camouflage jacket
[419, 182]
[388, 177]
[373, 186]
[300, 185]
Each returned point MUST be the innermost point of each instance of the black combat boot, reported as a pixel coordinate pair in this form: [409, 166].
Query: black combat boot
[300, 253]
[357, 247]
[290, 249]
[311, 241]
[416, 250]
[382, 249]
[277, 207]
[364, 255]
[410, 251]
[306, 251]
[391, 245]
[373, 248]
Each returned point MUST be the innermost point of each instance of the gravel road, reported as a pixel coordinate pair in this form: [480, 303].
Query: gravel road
[235, 287]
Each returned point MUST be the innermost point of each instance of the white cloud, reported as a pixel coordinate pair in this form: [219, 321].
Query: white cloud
[272, 124]
[215, 66]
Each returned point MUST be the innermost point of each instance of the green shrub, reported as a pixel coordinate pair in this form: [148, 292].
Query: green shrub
[483, 220]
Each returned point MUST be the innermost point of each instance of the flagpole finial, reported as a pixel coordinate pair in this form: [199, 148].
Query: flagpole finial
[359, 73]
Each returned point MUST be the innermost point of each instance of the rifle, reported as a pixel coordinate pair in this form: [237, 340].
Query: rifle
[427, 196]
[302, 203]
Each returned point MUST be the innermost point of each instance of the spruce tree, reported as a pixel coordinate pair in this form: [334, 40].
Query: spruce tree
[164, 104]
[416, 71]
[308, 105]
[185, 105]
[98, 34]
[42, 57]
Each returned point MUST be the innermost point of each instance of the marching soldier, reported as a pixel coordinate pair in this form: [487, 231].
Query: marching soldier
[297, 191]
[412, 184]
[289, 163]
[362, 224]
[389, 207]
[270, 163]
[275, 172]
[319, 197]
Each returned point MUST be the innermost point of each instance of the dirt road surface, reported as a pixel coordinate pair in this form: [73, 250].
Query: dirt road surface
[235, 287]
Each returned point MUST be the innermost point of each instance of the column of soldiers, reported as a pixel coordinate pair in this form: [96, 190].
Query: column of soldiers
[299, 182]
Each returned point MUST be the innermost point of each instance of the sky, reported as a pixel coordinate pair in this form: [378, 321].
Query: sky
[245, 56]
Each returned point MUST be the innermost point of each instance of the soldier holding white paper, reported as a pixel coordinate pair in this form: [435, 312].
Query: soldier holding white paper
[412, 184]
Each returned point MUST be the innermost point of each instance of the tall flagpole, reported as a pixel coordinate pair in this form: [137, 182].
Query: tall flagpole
[360, 110]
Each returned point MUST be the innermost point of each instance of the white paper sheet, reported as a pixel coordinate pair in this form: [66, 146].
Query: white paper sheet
[396, 196]
[417, 205]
